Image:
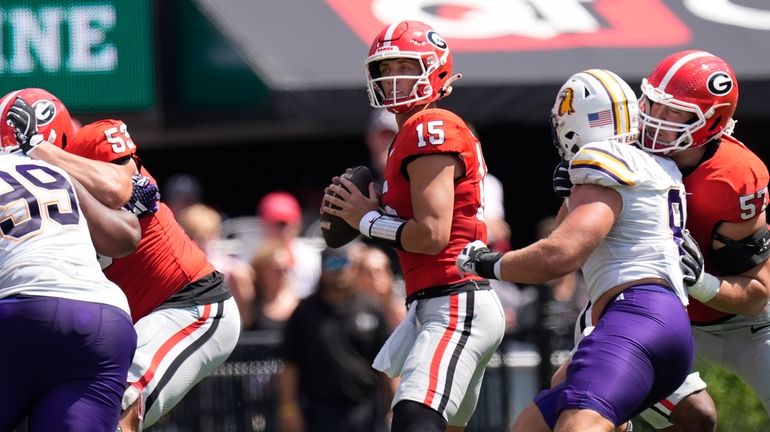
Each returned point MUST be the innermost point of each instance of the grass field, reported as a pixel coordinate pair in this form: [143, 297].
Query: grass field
[738, 408]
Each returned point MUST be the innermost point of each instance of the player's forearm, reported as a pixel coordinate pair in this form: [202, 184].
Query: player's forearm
[740, 295]
[108, 183]
[425, 238]
[538, 263]
[114, 233]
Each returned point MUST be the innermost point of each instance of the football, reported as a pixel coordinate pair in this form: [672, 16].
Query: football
[336, 232]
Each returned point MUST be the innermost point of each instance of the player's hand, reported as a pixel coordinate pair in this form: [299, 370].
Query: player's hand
[700, 285]
[21, 117]
[144, 197]
[476, 258]
[562, 185]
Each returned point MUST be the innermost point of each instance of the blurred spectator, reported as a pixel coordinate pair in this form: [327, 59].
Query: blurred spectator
[180, 191]
[281, 217]
[374, 276]
[498, 230]
[329, 344]
[203, 224]
[274, 298]
[380, 131]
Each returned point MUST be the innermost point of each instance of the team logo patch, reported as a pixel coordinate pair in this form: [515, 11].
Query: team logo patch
[45, 111]
[719, 83]
[565, 101]
[435, 39]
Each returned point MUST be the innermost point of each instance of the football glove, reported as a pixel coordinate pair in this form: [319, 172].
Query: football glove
[700, 285]
[476, 258]
[144, 197]
[22, 118]
[562, 185]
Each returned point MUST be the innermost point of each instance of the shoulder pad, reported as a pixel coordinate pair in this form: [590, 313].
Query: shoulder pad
[104, 140]
[602, 163]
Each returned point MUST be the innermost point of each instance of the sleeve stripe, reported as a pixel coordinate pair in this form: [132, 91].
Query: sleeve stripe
[594, 165]
[612, 156]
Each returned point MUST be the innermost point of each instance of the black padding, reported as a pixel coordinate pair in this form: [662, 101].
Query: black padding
[737, 256]
[411, 416]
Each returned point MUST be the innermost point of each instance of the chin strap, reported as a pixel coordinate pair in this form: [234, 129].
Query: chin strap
[447, 89]
[729, 127]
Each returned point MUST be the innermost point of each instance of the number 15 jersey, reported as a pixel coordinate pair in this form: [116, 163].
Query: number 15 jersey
[430, 132]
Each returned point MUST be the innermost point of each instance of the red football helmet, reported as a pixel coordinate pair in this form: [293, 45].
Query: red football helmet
[52, 116]
[413, 40]
[692, 81]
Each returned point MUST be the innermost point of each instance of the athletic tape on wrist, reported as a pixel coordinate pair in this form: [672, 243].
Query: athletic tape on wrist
[386, 228]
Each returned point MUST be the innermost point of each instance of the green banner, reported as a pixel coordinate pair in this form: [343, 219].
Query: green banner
[94, 55]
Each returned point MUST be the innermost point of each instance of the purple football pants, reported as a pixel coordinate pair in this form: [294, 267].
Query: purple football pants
[63, 364]
[640, 351]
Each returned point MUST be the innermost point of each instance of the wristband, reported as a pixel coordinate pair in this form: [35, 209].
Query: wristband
[386, 228]
[488, 265]
[705, 289]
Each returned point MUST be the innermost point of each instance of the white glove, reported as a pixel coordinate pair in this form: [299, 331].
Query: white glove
[476, 258]
[701, 285]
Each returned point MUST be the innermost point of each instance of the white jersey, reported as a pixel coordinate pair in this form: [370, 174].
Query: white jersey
[45, 245]
[644, 241]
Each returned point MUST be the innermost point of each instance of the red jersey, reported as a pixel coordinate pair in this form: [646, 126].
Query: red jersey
[166, 259]
[731, 186]
[436, 131]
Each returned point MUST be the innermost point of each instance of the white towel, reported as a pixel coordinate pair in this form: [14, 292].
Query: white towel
[395, 350]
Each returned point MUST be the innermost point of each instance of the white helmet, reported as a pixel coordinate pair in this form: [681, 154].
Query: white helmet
[593, 105]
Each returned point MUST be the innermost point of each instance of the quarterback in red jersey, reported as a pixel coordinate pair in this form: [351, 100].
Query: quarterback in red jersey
[688, 102]
[432, 206]
[185, 317]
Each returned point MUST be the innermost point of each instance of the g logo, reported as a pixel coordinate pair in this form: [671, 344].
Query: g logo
[45, 111]
[719, 83]
[436, 39]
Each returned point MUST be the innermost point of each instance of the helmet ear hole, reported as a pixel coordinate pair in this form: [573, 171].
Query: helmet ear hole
[569, 135]
[441, 75]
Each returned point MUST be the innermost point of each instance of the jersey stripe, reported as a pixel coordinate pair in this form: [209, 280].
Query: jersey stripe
[435, 363]
[167, 346]
[605, 162]
[469, 303]
[183, 356]
[618, 98]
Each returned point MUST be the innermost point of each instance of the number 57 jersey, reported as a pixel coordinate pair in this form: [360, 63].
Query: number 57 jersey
[430, 132]
[45, 245]
[644, 240]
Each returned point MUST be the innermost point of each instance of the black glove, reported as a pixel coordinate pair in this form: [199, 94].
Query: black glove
[691, 261]
[145, 196]
[562, 185]
[21, 117]
[476, 258]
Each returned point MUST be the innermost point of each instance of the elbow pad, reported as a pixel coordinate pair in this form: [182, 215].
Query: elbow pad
[737, 256]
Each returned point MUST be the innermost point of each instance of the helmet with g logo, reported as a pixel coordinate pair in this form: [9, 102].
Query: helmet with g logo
[413, 40]
[51, 114]
[692, 81]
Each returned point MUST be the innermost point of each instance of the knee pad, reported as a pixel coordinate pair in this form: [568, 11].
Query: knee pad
[411, 416]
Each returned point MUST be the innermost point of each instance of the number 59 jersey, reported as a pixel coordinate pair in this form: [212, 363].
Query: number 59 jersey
[45, 245]
[644, 240]
[437, 131]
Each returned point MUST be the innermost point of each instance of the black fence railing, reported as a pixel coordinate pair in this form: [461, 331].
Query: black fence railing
[240, 396]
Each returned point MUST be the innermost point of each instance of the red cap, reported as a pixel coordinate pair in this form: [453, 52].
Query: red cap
[103, 140]
[280, 207]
